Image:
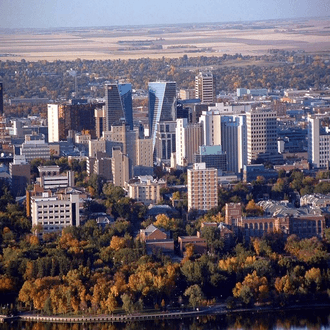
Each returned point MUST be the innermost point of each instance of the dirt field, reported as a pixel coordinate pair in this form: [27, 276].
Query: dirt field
[310, 35]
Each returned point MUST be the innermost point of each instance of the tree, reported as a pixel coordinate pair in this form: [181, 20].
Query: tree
[195, 294]
[253, 209]
[163, 221]
[128, 304]
[253, 286]
[111, 303]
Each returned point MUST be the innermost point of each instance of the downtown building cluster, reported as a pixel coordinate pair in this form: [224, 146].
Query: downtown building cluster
[186, 130]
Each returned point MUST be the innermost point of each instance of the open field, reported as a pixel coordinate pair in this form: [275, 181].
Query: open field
[255, 38]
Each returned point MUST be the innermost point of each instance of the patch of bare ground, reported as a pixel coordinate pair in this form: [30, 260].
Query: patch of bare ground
[256, 38]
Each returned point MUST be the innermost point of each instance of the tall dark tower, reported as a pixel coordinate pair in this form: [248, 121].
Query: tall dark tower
[118, 104]
[1, 98]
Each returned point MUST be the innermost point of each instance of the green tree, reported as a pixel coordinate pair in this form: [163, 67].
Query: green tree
[195, 294]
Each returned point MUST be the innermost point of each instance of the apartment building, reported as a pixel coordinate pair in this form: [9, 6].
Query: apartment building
[145, 189]
[202, 188]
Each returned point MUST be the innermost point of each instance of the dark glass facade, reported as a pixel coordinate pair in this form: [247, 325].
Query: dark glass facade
[118, 101]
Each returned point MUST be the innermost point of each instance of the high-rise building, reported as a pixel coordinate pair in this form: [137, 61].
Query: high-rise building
[230, 132]
[233, 141]
[202, 188]
[100, 121]
[19, 171]
[1, 98]
[53, 123]
[212, 156]
[165, 143]
[63, 118]
[211, 122]
[205, 87]
[261, 135]
[318, 143]
[118, 104]
[120, 167]
[162, 106]
[188, 139]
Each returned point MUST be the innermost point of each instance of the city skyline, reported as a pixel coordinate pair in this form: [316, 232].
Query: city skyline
[66, 14]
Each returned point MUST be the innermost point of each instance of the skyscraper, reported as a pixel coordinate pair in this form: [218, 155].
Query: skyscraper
[162, 110]
[188, 139]
[118, 104]
[1, 98]
[262, 135]
[63, 118]
[233, 141]
[318, 143]
[205, 87]
[229, 131]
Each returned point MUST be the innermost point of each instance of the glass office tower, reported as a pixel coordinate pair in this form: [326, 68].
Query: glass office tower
[162, 105]
[118, 103]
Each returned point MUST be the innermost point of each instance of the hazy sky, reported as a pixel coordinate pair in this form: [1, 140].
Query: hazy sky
[77, 13]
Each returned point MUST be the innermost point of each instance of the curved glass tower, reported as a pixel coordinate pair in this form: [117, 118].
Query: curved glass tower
[162, 105]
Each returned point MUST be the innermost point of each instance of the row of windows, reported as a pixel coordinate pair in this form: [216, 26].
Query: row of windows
[68, 216]
[56, 222]
[44, 206]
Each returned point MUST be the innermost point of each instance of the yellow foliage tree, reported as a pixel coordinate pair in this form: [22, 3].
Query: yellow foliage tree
[254, 285]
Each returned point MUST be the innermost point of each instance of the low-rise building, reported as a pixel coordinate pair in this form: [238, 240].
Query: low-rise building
[35, 147]
[55, 212]
[50, 177]
[304, 222]
[145, 189]
[200, 245]
[156, 239]
[316, 200]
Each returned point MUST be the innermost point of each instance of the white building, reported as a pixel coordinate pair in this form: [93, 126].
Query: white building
[211, 122]
[318, 143]
[188, 139]
[230, 109]
[54, 213]
[53, 123]
[50, 177]
[35, 147]
[229, 131]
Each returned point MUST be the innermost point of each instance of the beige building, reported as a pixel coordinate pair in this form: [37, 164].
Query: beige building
[188, 139]
[82, 138]
[55, 212]
[144, 153]
[120, 167]
[100, 121]
[102, 166]
[261, 134]
[205, 87]
[145, 189]
[96, 146]
[202, 187]
[187, 94]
